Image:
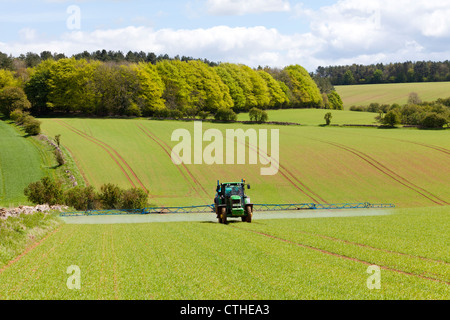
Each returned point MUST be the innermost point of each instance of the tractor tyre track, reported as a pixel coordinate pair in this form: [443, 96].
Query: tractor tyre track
[423, 144]
[371, 247]
[166, 148]
[340, 256]
[311, 195]
[108, 149]
[388, 172]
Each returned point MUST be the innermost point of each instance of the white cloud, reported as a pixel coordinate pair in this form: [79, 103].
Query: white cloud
[242, 7]
[350, 31]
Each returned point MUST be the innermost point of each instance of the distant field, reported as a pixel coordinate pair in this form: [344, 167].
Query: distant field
[326, 258]
[315, 117]
[336, 165]
[21, 162]
[363, 95]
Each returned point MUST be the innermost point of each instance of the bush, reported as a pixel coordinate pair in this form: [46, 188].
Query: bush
[327, 118]
[82, 198]
[110, 196]
[17, 115]
[134, 198]
[391, 119]
[225, 114]
[357, 108]
[433, 120]
[59, 157]
[258, 115]
[45, 191]
[33, 128]
[13, 98]
[335, 101]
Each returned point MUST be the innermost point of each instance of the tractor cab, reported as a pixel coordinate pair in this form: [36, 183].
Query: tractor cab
[231, 201]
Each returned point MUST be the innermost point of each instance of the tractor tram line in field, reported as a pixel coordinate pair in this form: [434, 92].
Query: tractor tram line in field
[423, 144]
[388, 172]
[197, 186]
[334, 239]
[35, 271]
[83, 135]
[282, 169]
[108, 149]
[341, 256]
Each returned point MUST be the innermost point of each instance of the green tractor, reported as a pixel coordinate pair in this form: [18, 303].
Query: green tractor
[232, 202]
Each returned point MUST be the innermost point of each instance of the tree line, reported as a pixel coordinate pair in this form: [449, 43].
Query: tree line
[401, 72]
[166, 87]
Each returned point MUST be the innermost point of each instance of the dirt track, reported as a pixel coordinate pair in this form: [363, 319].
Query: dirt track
[210, 217]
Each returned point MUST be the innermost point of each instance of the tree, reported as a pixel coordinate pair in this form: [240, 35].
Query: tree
[31, 125]
[82, 198]
[58, 139]
[38, 88]
[258, 115]
[45, 191]
[391, 119]
[225, 114]
[327, 118]
[348, 77]
[335, 101]
[413, 98]
[7, 79]
[110, 196]
[377, 76]
[70, 85]
[134, 198]
[305, 93]
[434, 120]
[13, 98]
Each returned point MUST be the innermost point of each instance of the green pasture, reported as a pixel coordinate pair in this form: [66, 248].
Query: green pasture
[363, 95]
[326, 258]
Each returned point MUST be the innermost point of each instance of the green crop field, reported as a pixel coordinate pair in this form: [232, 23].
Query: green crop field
[363, 95]
[408, 168]
[290, 255]
[326, 258]
[315, 117]
[22, 161]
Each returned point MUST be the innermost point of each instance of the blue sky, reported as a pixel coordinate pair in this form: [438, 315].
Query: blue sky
[254, 32]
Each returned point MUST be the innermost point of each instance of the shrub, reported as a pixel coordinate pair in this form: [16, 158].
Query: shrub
[110, 196]
[391, 118]
[13, 98]
[59, 157]
[357, 108]
[82, 198]
[433, 120]
[134, 198]
[17, 116]
[327, 118]
[45, 191]
[225, 114]
[258, 115]
[32, 127]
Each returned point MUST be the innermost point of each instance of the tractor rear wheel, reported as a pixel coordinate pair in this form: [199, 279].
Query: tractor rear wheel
[249, 212]
[223, 215]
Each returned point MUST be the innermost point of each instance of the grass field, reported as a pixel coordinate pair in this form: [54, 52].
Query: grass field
[22, 161]
[324, 258]
[408, 168]
[363, 95]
